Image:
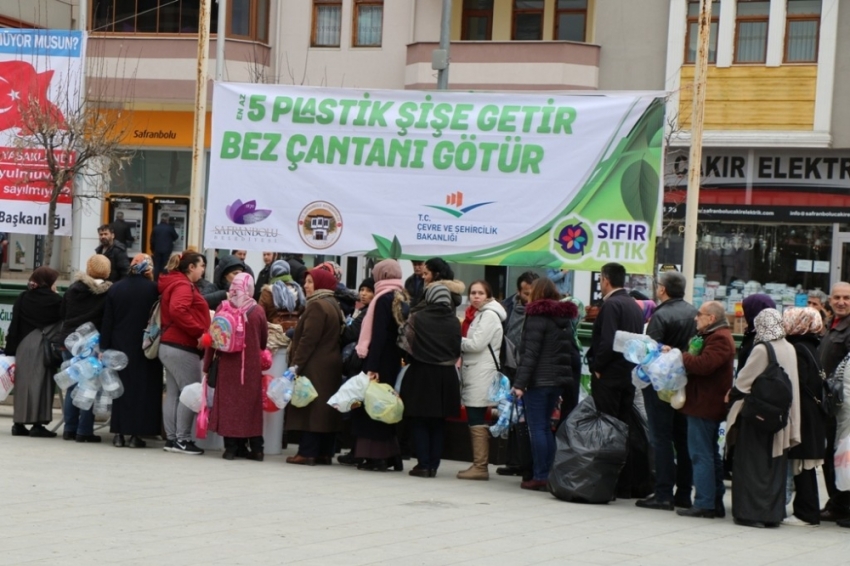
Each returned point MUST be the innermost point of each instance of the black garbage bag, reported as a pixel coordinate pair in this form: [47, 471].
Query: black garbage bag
[590, 451]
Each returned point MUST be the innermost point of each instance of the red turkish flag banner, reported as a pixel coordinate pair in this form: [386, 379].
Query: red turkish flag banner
[23, 96]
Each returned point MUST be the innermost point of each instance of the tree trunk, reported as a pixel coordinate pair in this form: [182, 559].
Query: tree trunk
[51, 229]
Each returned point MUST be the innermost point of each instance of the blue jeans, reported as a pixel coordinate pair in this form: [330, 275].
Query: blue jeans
[708, 466]
[539, 403]
[668, 429]
[76, 420]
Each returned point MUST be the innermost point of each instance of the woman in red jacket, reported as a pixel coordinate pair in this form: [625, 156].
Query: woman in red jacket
[185, 319]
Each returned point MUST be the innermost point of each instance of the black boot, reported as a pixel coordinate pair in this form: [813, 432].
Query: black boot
[256, 453]
[230, 448]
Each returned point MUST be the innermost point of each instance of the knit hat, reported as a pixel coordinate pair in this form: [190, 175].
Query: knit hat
[322, 279]
[98, 267]
[386, 269]
[369, 283]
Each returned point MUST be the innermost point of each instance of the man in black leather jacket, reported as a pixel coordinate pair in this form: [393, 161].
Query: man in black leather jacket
[672, 324]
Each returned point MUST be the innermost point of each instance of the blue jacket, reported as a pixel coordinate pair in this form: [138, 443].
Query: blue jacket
[163, 237]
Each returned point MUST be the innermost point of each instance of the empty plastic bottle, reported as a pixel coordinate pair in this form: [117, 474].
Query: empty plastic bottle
[64, 380]
[102, 406]
[114, 359]
[111, 383]
[83, 396]
[85, 369]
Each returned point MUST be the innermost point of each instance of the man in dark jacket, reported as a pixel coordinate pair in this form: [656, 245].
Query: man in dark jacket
[228, 268]
[114, 251]
[122, 230]
[264, 275]
[672, 324]
[833, 348]
[163, 237]
[709, 370]
[415, 285]
[612, 387]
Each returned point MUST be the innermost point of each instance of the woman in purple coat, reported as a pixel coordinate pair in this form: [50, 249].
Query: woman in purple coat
[237, 412]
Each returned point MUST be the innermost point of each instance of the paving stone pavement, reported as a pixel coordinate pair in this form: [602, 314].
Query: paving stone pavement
[68, 503]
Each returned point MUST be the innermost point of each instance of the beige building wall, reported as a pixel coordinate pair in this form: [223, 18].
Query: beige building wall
[840, 108]
[54, 14]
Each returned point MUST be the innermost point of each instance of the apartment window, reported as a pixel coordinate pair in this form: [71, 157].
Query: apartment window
[571, 20]
[751, 31]
[477, 20]
[327, 23]
[802, 29]
[693, 32]
[368, 22]
[249, 19]
[528, 20]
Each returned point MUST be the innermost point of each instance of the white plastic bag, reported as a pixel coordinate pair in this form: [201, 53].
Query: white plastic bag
[842, 464]
[7, 375]
[193, 396]
[353, 390]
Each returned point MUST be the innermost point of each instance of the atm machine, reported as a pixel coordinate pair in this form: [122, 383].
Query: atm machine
[135, 212]
[178, 215]
[20, 252]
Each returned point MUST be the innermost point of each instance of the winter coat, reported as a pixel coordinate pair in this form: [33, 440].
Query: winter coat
[185, 314]
[618, 312]
[163, 237]
[812, 421]
[275, 315]
[315, 350]
[835, 345]
[415, 287]
[786, 356]
[262, 280]
[123, 232]
[479, 362]
[128, 304]
[215, 296]
[117, 254]
[514, 318]
[237, 410]
[34, 309]
[83, 302]
[384, 357]
[709, 375]
[673, 324]
[547, 345]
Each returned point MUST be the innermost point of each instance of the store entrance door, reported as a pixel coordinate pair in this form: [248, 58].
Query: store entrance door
[840, 258]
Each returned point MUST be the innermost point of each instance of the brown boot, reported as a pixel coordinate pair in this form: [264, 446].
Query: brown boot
[480, 454]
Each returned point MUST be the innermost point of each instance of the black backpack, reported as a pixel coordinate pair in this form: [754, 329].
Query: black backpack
[768, 405]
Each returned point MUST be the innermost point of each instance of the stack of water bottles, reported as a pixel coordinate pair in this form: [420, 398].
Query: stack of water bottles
[665, 371]
[95, 373]
[279, 390]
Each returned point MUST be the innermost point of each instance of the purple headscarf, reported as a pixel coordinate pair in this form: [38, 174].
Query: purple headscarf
[753, 305]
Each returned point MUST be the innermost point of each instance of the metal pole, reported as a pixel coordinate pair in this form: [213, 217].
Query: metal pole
[80, 181]
[220, 40]
[445, 43]
[695, 158]
[196, 195]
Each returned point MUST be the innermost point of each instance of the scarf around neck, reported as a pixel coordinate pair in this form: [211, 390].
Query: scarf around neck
[381, 288]
[468, 317]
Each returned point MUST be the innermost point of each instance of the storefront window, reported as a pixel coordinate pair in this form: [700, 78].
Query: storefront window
[155, 173]
[734, 260]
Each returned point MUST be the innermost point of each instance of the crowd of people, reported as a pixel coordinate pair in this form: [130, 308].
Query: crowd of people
[406, 333]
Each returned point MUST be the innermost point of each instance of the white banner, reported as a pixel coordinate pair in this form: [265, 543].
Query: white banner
[510, 179]
[43, 66]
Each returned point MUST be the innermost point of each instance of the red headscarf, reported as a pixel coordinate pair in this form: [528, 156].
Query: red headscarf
[322, 279]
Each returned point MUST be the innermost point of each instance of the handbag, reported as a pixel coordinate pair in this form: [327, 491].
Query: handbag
[820, 401]
[212, 371]
[519, 443]
[52, 352]
[203, 419]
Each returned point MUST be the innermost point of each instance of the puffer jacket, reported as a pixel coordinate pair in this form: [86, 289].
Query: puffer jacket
[673, 324]
[479, 365]
[185, 314]
[84, 301]
[547, 348]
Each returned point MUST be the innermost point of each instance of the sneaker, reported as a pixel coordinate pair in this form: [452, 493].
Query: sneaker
[169, 446]
[20, 430]
[793, 521]
[186, 447]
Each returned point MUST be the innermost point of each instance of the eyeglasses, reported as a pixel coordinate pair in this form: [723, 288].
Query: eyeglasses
[700, 313]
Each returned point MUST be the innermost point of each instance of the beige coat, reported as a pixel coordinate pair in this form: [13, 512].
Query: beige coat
[756, 364]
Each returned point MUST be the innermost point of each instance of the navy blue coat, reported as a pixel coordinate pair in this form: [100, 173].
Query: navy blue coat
[163, 237]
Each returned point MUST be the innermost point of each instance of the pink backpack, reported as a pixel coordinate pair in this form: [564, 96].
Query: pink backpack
[228, 328]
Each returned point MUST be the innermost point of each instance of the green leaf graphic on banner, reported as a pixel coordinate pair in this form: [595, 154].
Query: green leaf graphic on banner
[543, 258]
[639, 188]
[395, 248]
[384, 246]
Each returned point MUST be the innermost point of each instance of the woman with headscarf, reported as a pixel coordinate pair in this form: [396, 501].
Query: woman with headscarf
[36, 311]
[376, 442]
[752, 305]
[430, 387]
[138, 412]
[282, 299]
[436, 270]
[315, 350]
[237, 411]
[761, 458]
[803, 327]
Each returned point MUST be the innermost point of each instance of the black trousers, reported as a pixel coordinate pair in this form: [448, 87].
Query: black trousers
[613, 396]
[317, 444]
[806, 501]
[427, 435]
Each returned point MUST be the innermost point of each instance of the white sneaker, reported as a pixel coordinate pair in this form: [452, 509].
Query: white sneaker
[793, 521]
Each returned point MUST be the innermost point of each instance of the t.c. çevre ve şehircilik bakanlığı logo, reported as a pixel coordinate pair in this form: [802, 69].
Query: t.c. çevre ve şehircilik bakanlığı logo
[456, 200]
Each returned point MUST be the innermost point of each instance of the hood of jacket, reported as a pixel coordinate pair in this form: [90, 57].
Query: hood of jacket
[169, 280]
[225, 265]
[96, 286]
[552, 309]
[496, 307]
[453, 285]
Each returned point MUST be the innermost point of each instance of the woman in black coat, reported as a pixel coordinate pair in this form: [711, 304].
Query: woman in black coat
[35, 309]
[545, 368]
[803, 327]
[138, 412]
